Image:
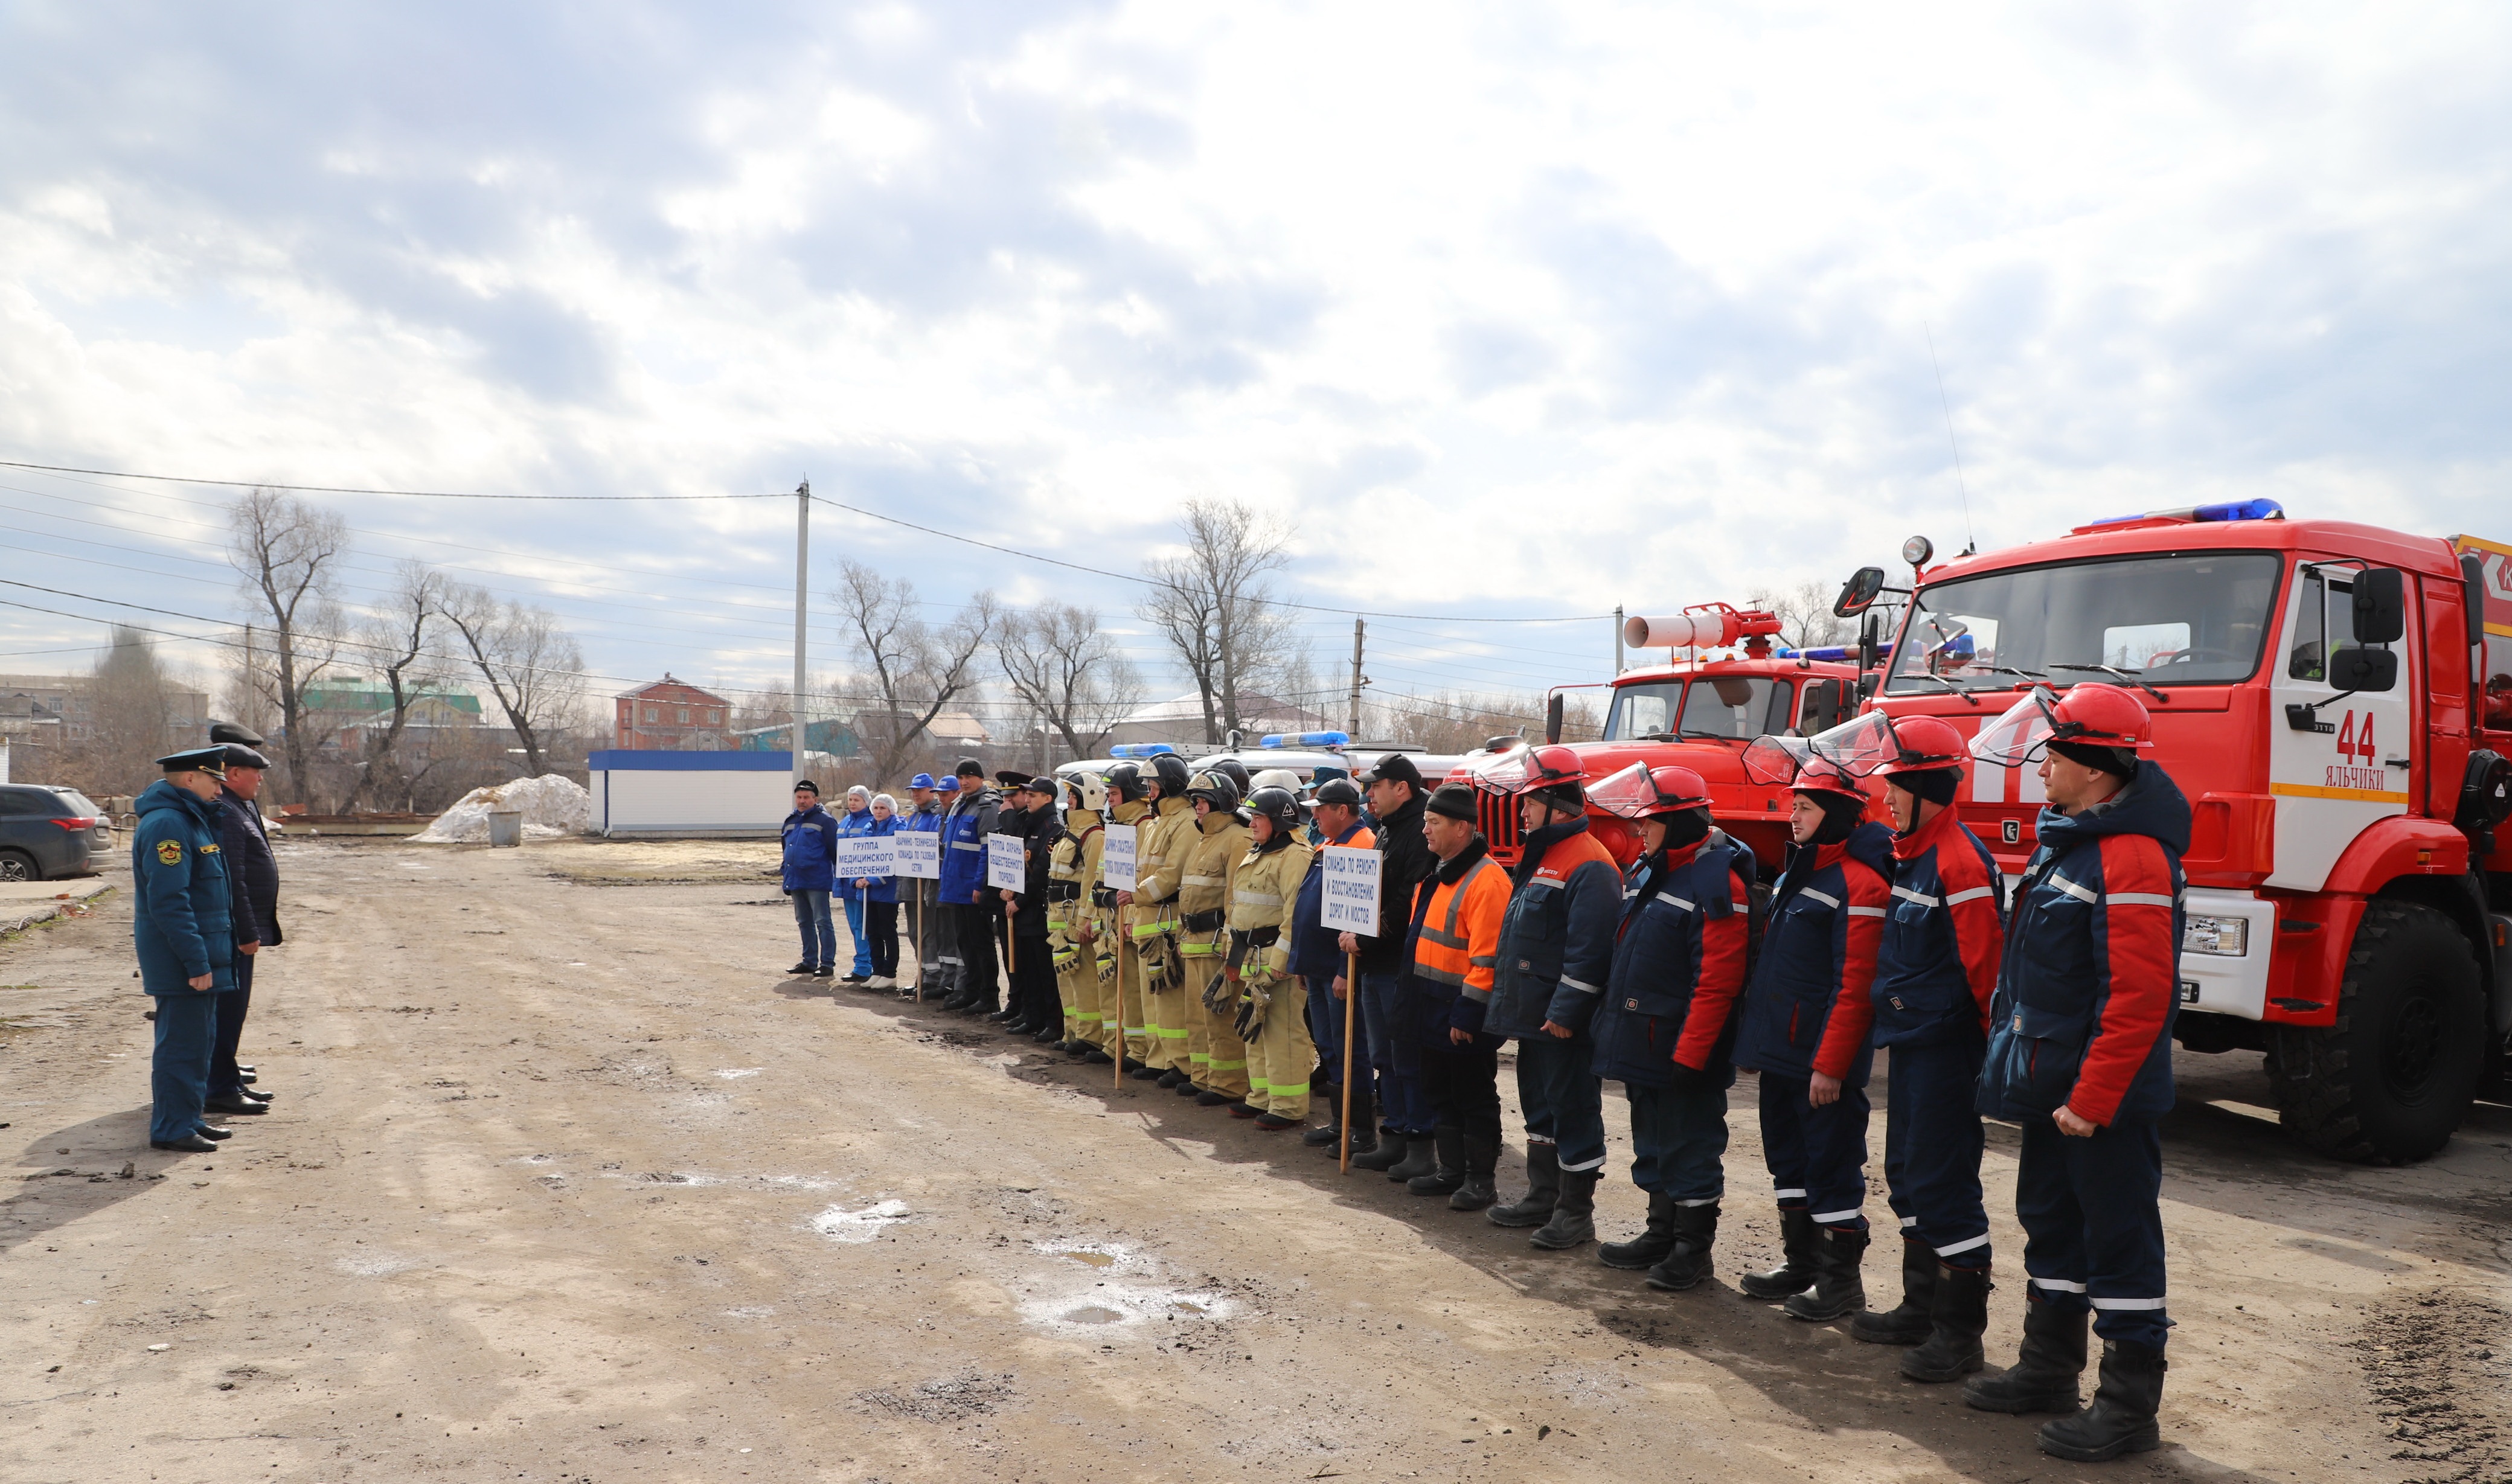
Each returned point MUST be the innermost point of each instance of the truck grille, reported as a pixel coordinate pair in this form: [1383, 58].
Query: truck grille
[1496, 815]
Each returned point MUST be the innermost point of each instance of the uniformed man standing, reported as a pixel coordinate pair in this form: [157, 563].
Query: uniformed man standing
[253, 900]
[1806, 1030]
[1272, 1002]
[1935, 972]
[1451, 945]
[1120, 976]
[1555, 949]
[1218, 1057]
[1033, 971]
[2081, 1057]
[1152, 922]
[1317, 957]
[184, 933]
[973, 909]
[1398, 803]
[1666, 1026]
[924, 817]
[1072, 868]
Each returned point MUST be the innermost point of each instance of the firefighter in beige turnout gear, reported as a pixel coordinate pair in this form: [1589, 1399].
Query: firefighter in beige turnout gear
[1216, 1056]
[1073, 866]
[1121, 968]
[1272, 1002]
[1152, 919]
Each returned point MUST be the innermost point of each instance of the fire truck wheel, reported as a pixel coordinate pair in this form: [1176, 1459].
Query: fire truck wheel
[2393, 1076]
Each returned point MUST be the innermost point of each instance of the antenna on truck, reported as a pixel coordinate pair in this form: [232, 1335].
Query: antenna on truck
[1970, 542]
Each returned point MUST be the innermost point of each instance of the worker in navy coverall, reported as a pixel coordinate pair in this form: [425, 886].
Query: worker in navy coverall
[1934, 975]
[183, 932]
[1807, 1023]
[2081, 1057]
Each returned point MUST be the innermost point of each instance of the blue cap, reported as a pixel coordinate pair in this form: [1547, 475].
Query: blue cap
[949, 784]
[921, 781]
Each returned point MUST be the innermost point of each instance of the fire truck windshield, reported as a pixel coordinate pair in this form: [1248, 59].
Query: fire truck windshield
[2189, 619]
[1737, 707]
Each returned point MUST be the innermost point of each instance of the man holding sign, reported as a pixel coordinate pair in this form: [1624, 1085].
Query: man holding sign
[1317, 950]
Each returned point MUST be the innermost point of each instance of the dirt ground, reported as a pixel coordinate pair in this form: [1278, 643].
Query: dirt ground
[566, 1181]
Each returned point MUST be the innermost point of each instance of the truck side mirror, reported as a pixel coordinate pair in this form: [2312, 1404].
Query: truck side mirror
[1820, 710]
[2380, 606]
[1868, 637]
[2472, 581]
[1553, 718]
[2356, 668]
[1858, 591]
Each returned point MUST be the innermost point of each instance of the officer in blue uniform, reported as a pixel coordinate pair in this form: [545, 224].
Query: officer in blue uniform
[253, 900]
[183, 932]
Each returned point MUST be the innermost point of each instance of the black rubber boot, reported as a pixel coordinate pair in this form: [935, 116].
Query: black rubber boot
[1696, 1231]
[1168, 1080]
[1543, 1190]
[2044, 1376]
[1574, 1215]
[1906, 1322]
[1838, 1289]
[2121, 1418]
[1482, 1157]
[1650, 1247]
[1796, 1270]
[1955, 1322]
[1421, 1158]
[1388, 1153]
[1365, 1139]
[1448, 1145]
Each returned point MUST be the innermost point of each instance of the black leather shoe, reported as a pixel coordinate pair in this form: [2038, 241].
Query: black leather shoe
[235, 1106]
[251, 1096]
[824, 971]
[1049, 1035]
[804, 967]
[213, 1131]
[244, 1076]
[189, 1144]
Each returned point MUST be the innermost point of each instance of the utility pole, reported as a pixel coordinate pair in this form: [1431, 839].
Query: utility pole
[1618, 639]
[1359, 627]
[802, 727]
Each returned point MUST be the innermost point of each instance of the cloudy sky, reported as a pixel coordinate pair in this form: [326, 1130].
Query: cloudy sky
[1506, 309]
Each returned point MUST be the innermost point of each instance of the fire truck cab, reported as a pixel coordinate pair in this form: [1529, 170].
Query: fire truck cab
[1701, 713]
[2335, 700]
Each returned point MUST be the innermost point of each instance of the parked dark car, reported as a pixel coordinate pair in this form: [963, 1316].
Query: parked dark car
[48, 831]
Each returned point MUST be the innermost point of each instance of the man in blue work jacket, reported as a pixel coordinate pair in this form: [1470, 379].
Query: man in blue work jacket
[183, 930]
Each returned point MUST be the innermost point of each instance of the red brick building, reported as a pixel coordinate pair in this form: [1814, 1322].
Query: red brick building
[672, 715]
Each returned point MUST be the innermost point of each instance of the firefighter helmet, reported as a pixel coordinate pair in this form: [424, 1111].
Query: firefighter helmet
[1085, 791]
[1274, 778]
[1642, 792]
[1214, 788]
[1876, 745]
[1170, 770]
[1525, 770]
[1822, 775]
[1278, 805]
[1125, 784]
[2091, 715]
[1236, 771]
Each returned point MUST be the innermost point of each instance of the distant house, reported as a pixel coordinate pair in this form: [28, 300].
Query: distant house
[830, 736]
[950, 732]
[50, 709]
[671, 715]
[433, 720]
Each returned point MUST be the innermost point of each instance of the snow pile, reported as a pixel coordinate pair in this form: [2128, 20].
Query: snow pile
[552, 806]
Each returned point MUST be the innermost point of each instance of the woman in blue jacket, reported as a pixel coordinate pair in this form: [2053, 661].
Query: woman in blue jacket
[856, 824]
[811, 857]
[880, 903]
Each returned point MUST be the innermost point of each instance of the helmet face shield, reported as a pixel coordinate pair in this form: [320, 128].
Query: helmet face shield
[1639, 790]
[2022, 734]
[1860, 745]
[1777, 760]
[1524, 769]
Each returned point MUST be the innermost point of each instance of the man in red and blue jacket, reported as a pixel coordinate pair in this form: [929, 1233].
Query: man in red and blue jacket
[1807, 1025]
[1665, 1027]
[1935, 972]
[2081, 1057]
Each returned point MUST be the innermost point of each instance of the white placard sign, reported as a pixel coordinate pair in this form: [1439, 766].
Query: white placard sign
[1117, 857]
[866, 855]
[1351, 901]
[1005, 866]
[919, 855]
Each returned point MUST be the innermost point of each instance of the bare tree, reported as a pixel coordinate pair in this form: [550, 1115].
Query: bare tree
[1215, 607]
[397, 640]
[913, 668]
[533, 665]
[1062, 665]
[1805, 616]
[288, 552]
[128, 702]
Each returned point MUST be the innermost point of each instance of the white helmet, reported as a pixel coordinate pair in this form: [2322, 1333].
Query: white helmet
[1085, 791]
[1274, 778]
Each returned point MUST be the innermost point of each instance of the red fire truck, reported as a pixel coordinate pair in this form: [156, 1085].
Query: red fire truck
[2335, 700]
[1700, 713]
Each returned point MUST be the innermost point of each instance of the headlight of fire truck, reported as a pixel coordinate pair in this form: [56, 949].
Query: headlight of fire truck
[2222, 937]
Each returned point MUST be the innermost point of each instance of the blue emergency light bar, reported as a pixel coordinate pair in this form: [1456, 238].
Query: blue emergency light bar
[1140, 749]
[1305, 739]
[2235, 510]
[1846, 654]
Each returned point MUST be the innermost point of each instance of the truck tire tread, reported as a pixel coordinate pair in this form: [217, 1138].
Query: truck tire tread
[2311, 1069]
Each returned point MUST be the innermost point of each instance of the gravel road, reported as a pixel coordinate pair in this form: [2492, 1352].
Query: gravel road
[566, 1181]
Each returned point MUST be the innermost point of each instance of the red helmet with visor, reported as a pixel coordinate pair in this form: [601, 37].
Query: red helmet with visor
[1525, 770]
[2094, 715]
[1640, 792]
